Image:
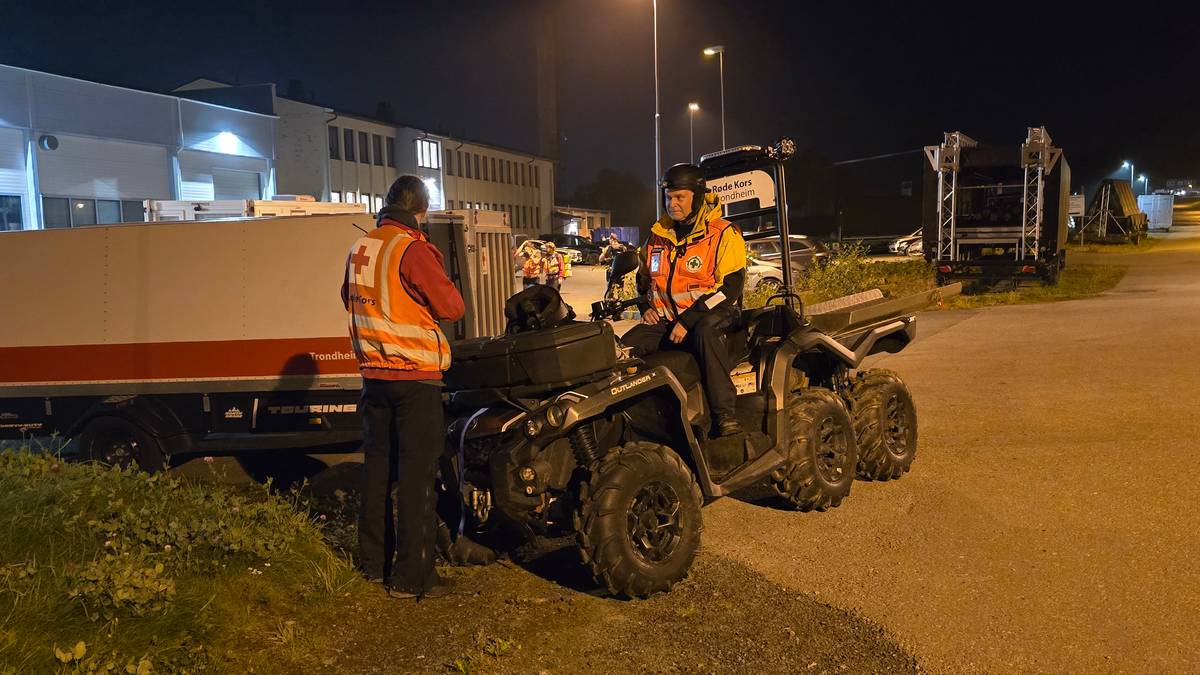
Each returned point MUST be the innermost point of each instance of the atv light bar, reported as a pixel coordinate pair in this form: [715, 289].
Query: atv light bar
[730, 151]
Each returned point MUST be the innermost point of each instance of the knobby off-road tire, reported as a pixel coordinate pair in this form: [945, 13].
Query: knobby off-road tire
[885, 424]
[638, 523]
[822, 454]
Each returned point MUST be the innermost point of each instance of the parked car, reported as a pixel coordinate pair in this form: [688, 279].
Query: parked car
[589, 251]
[764, 255]
[904, 245]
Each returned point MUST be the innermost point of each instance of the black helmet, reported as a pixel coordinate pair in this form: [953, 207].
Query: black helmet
[683, 177]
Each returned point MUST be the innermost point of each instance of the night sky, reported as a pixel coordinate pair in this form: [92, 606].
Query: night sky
[844, 79]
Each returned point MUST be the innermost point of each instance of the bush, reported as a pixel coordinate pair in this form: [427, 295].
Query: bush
[107, 570]
[850, 271]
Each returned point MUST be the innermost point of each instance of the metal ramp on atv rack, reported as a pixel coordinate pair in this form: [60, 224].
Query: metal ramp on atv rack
[851, 313]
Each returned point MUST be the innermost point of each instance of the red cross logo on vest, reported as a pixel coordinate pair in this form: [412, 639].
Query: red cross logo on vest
[360, 259]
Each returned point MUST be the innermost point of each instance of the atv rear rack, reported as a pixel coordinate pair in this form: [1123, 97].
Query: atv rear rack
[852, 313]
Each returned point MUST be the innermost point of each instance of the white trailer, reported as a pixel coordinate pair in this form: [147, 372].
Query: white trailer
[169, 210]
[160, 340]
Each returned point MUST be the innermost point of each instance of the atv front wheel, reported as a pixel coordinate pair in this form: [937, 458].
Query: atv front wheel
[885, 424]
[638, 521]
[822, 453]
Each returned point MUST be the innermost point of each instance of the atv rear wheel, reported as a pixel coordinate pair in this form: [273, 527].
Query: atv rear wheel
[639, 521]
[822, 454]
[885, 424]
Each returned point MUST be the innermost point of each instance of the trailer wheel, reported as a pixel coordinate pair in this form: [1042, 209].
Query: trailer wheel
[638, 522]
[822, 454]
[115, 441]
[885, 424]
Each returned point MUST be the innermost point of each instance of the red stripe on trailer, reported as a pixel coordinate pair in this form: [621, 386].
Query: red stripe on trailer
[178, 360]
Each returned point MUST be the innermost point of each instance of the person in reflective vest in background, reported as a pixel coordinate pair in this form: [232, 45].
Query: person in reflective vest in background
[693, 271]
[396, 290]
[557, 267]
[531, 269]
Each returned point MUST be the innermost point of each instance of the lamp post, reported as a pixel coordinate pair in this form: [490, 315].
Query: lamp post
[657, 129]
[692, 108]
[1128, 165]
[1146, 187]
[719, 50]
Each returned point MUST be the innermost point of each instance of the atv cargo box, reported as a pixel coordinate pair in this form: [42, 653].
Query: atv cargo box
[562, 354]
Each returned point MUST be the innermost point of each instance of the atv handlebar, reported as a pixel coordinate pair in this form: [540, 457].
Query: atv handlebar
[611, 309]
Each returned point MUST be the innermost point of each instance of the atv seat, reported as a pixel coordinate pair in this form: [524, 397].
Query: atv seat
[681, 363]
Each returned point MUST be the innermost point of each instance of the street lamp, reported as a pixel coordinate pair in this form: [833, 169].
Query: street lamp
[719, 50]
[1146, 187]
[1128, 165]
[692, 108]
[657, 127]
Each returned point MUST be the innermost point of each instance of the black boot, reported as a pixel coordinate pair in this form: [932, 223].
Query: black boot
[726, 425]
[461, 550]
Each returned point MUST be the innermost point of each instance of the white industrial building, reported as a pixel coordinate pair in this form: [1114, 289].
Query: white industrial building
[78, 153]
[341, 157]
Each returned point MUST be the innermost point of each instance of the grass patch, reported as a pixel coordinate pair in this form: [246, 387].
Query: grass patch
[850, 271]
[1075, 282]
[110, 570]
[1144, 246]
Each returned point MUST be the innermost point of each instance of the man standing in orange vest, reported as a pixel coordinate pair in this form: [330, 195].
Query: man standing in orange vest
[396, 291]
[556, 266]
[693, 272]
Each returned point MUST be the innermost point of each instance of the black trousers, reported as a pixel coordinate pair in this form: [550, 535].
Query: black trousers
[705, 342]
[403, 439]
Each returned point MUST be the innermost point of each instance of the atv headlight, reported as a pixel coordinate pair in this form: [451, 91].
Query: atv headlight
[533, 427]
[555, 415]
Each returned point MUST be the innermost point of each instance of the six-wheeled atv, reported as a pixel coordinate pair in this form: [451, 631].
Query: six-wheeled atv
[557, 431]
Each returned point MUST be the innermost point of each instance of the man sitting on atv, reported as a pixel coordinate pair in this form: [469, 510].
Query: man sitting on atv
[692, 273]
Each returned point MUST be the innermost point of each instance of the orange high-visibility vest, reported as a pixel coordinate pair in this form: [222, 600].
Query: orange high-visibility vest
[388, 327]
[680, 275]
[555, 265]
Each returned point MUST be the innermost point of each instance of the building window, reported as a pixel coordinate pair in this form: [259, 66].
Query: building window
[485, 171]
[476, 157]
[133, 211]
[602, 225]
[537, 216]
[427, 154]
[364, 151]
[537, 176]
[335, 197]
[335, 151]
[494, 178]
[10, 213]
[508, 172]
[351, 198]
[449, 162]
[76, 212]
[377, 148]
[108, 211]
[378, 203]
[524, 215]
[391, 152]
[348, 144]
[523, 167]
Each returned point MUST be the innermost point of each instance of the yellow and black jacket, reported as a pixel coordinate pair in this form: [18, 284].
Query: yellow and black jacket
[686, 273]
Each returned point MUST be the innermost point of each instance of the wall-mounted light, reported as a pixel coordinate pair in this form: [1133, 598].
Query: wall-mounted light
[227, 142]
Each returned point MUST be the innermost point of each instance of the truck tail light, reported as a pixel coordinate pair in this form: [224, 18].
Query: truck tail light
[1029, 269]
[944, 269]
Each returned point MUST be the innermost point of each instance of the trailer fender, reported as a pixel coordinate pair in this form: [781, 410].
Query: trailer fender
[148, 413]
